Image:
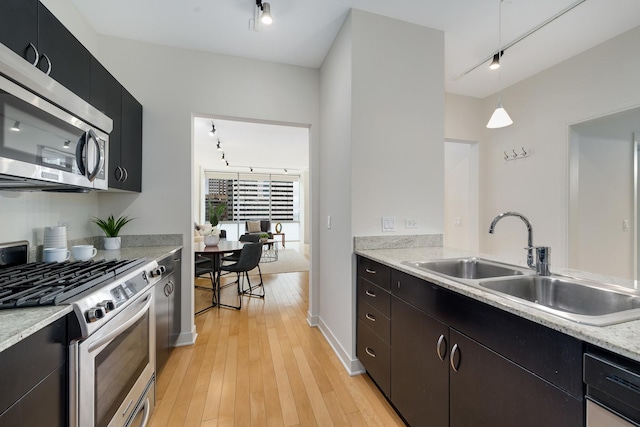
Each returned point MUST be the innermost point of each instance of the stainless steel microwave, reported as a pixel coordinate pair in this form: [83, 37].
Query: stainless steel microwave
[50, 139]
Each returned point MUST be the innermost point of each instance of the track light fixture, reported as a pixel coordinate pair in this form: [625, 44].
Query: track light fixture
[212, 132]
[265, 17]
[251, 170]
[495, 63]
[16, 127]
[286, 171]
[227, 163]
[222, 159]
[66, 144]
[218, 146]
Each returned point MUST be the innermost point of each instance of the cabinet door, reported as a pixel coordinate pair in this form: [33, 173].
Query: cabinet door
[490, 391]
[70, 61]
[19, 26]
[131, 146]
[419, 366]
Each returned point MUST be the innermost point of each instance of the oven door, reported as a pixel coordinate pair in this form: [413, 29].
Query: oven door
[114, 366]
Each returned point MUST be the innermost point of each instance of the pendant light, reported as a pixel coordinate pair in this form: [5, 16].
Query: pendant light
[500, 118]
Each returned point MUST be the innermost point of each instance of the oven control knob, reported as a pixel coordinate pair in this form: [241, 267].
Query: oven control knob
[158, 271]
[94, 314]
[107, 305]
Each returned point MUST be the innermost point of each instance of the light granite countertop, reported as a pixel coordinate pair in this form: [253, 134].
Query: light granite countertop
[623, 338]
[19, 323]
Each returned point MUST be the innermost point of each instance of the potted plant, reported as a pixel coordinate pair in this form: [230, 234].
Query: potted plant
[111, 227]
[215, 213]
[264, 237]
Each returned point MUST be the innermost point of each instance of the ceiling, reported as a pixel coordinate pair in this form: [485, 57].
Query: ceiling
[267, 148]
[303, 30]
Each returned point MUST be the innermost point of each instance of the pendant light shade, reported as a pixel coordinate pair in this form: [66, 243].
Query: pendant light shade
[500, 118]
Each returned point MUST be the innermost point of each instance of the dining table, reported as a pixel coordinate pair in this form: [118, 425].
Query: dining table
[216, 254]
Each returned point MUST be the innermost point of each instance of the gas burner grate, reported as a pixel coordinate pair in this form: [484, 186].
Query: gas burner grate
[38, 284]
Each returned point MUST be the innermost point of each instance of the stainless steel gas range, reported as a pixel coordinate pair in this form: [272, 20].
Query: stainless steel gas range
[112, 355]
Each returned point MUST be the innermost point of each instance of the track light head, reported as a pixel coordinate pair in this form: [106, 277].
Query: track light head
[218, 146]
[213, 129]
[265, 17]
[16, 127]
[495, 64]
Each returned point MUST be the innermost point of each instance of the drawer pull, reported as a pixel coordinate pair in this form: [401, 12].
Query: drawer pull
[368, 270]
[370, 294]
[441, 347]
[452, 358]
[370, 317]
[370, 352]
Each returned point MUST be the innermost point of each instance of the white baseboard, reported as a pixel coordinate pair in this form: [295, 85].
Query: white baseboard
[353, 366]
[187, 338]
[312, 320]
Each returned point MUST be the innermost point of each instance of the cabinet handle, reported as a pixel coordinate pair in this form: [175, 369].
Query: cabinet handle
[119, 173]
[126, 174]
[172, 287]
[454, 365]
[441, 347]
[370, 317]
[45, 57]
[370, 294]
[37, 58]
[167, 290]
[370, 352]
[398, 284]
[368, 270]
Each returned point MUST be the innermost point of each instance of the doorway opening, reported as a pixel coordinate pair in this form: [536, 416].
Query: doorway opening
[461, 194]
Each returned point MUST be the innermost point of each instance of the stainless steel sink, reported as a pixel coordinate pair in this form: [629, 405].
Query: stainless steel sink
[468, 268]
[578, 300]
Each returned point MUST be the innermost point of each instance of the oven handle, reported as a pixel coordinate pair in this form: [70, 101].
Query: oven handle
[117, 331]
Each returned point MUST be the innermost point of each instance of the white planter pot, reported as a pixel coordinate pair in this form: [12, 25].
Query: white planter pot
[211, 239]
[112, 243]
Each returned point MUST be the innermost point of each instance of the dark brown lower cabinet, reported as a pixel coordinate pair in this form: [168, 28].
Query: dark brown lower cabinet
[453, 361]
[488, 390]
[419, 366]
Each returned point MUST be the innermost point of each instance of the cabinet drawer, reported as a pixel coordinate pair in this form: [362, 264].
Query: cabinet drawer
[374, 355]
[374, 272]
[375, 320]
[26, 363]
[421, 294]
[374, 296]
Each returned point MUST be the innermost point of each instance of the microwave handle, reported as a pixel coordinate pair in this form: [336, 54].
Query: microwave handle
[81, 155]
[100, 162]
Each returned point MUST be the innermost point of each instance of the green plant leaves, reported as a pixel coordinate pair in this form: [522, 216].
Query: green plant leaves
[112, 226]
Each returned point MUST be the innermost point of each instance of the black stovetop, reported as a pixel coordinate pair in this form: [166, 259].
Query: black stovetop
[39, 283]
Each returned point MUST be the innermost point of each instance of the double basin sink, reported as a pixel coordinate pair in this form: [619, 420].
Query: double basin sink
[578, 300]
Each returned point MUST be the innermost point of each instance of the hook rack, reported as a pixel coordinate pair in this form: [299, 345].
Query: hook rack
[515, 155]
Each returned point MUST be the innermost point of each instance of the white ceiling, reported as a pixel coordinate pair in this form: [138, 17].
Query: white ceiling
[303, 30]
[267, 148]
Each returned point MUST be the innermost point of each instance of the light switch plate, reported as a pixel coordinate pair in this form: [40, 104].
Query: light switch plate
[410, 223]
[388, 223]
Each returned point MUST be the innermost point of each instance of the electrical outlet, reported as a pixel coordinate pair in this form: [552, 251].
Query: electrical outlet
[388, 223]
[625, 225]
[410, 223]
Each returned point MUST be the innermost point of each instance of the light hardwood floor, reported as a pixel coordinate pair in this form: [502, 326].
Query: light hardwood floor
[264, 366]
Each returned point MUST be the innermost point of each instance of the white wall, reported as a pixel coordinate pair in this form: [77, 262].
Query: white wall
[382, 116]
[172, 84]
[397, 121]
[599, 81]
[335, 308]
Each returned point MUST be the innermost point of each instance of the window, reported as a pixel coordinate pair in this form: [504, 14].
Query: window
[254, 196]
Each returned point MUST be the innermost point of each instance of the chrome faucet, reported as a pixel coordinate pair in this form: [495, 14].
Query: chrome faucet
[543, 253]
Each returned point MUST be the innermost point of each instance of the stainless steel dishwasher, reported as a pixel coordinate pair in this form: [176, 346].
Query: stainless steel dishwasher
[613, 390]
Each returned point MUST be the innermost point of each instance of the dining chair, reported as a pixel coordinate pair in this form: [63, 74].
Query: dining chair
[248, 260]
